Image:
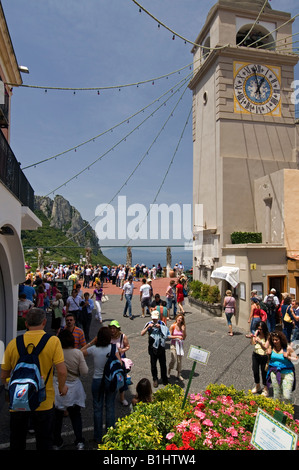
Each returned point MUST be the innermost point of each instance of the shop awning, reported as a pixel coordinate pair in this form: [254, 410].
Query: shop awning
[226, 273]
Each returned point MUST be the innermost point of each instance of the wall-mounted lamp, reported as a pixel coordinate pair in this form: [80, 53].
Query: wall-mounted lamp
[23, 69]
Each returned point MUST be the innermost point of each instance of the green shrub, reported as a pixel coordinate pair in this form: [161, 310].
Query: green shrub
[147, 426]
[246, 237]
[204, 292]
[214, 295]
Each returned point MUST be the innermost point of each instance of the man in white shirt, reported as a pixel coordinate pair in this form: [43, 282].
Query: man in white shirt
[73, 305]
[121, 276]
[145, 295]
[128, 291]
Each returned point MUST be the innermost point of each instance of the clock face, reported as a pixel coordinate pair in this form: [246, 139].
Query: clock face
[257, 89]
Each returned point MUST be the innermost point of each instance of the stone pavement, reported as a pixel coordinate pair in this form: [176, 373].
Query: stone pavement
[229, 362]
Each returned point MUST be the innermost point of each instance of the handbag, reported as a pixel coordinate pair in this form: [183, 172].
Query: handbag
[287, 317]
[105, 298]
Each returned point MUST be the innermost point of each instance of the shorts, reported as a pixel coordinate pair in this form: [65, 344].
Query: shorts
[145, 302]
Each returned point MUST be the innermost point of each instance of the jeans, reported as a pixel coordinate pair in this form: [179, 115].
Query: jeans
[254, 322]
[171, 303]
[128, 305]
[101, 395]
[271, 321]
[42, 422]
[287, 330]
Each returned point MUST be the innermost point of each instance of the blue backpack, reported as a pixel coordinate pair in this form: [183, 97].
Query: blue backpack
[113, 372]
[27, 388]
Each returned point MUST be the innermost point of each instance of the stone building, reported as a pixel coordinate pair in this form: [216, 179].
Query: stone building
[245, 151]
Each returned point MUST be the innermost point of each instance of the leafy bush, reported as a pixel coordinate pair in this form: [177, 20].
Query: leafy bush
[146, 428]
[214, 295]
[204, 292]
[246, 237]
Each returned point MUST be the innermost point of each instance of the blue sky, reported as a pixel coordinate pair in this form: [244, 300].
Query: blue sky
[99, 43]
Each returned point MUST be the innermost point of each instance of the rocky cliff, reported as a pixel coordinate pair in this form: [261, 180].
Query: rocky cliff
[67, 218]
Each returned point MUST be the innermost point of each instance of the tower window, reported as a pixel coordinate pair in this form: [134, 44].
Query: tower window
[259, 37]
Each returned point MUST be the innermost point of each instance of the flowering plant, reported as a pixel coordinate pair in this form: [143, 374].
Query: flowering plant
[223, 418]
[220, 418]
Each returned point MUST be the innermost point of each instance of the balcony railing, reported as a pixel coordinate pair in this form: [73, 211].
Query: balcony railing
[12, 176]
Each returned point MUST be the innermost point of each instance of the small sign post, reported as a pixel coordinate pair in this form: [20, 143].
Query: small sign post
[198, 355]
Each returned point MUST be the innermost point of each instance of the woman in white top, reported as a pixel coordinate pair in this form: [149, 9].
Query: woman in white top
[99, 348]
[178, 335]
[74, 400]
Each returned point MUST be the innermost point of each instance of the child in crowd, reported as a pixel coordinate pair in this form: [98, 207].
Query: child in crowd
[144, 392]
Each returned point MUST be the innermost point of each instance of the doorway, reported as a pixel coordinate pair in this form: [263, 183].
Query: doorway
[279, 283]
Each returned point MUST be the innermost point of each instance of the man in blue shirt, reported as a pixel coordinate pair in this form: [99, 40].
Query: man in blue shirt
[28, 290]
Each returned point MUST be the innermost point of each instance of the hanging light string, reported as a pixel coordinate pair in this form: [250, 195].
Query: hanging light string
[101, 88]
[175, 34]
[166, 174]
[170, 90]
[219, 47]
[275, 42]
[196, 44]
[273, 31]
[119, 142]
[131, 174]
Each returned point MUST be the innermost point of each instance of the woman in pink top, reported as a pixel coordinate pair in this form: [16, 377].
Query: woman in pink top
[177, 335]
[229, 305]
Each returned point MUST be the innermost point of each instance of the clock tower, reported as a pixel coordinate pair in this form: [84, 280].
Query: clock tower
[244, 148]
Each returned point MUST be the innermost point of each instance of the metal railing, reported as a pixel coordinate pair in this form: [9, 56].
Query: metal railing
[12, 176]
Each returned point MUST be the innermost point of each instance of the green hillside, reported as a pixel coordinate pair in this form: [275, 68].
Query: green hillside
[47, 237]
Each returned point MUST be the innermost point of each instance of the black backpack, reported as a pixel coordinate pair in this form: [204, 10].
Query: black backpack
[27, 388]
[270, 303]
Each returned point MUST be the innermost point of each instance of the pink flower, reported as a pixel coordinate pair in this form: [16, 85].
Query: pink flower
[199, 414]
[170, 435]
[232, 431]
[195, 428]
[208, 422]
[183, 425]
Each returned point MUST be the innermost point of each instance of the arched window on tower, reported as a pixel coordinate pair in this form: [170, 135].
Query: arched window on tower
[259, 37]
[206, 48]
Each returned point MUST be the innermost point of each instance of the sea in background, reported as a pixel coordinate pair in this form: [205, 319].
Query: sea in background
[149, 256]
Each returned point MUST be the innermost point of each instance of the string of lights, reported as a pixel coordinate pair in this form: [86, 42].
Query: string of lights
[102, 88]
[131, 174]
[273, 31]
[119, 142]
[111, 129]
[277, 41]
[175, 34]
[141, 8]
[165, 175]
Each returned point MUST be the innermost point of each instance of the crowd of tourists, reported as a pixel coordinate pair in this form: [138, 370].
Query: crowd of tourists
[273, 321]
[70, 344]
[274, 331]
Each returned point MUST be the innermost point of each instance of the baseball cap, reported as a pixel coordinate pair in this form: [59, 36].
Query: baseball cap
[114, 323]
[155, 314]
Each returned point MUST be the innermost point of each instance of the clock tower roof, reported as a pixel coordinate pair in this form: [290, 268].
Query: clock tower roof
[257, 4]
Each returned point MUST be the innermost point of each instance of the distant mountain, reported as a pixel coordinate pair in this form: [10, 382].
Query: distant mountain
[64, 236]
